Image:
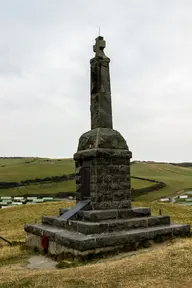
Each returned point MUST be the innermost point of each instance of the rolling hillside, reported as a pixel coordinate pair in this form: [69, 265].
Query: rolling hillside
[31, 168]
[176, 178]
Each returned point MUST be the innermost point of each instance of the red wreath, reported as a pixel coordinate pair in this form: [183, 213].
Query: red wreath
[44, 241]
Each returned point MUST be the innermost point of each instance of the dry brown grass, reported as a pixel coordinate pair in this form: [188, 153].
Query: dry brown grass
[166, 265]
[13, 219]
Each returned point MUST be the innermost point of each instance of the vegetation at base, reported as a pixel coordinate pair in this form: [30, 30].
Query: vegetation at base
[178, 200]
[148, 268]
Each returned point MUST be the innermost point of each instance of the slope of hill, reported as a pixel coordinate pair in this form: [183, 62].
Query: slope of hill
[24, 169]
[176, 178]
[21, 169]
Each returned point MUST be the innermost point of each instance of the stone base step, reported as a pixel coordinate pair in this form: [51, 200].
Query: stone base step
[65, 239]
[62, 211]
[98, 215]
[106, 225]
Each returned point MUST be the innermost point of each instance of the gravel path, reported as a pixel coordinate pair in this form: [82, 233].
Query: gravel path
[41, 262]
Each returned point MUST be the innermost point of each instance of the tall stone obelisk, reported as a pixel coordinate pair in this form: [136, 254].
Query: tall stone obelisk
[103, 157]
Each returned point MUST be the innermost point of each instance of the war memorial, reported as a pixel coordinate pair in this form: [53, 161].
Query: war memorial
[103, 219]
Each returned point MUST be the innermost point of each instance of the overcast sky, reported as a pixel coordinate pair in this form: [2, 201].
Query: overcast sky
[45, 48]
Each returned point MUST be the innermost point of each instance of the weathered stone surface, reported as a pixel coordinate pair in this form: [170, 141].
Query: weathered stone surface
[106, 225]
[112, 204]
[83, 242]
[83, 155]
[101, 108]
[108, 182]
[40, 229]
[58, 249]
[99, 215]
[158, 220]
[54, 221]
[102, 138]
[62, 211]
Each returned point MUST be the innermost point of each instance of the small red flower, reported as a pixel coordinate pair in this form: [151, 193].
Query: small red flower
[44, 241]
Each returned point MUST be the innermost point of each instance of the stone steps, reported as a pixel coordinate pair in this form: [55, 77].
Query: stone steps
[98, 215]
[62, 240]
[106, 225]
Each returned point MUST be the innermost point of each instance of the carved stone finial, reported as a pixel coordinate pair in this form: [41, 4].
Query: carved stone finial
[99, 46]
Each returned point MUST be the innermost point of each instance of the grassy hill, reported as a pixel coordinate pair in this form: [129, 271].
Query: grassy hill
[176, 178]
[169, 265]
[18, 169]
[47, 188]
[31, 168]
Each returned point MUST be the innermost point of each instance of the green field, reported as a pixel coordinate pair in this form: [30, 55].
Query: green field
[138, 184]
[49, 188]
[176, 178]
[65, 186]
[18, 169]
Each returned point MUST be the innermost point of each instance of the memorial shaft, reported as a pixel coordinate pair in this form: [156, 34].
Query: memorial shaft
[101, 107]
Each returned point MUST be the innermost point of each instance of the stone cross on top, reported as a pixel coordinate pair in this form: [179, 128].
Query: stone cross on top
[99, 46]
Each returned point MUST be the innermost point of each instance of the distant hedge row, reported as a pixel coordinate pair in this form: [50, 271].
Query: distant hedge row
[182, 164]
[135, 192]
[54, 195]
[7, 185]
[152, 188]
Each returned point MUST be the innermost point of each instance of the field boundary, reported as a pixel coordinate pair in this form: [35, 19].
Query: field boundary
[134, 191]
[140, 191]
[7, 185]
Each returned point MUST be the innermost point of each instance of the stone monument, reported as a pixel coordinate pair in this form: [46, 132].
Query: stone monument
[103, 157]
[102, 219]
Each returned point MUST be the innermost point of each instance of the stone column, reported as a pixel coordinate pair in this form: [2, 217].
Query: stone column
[103, 156]
[101, 108]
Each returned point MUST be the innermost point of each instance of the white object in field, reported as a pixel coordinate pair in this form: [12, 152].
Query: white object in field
[164, 200]
[5, 197]
[16, 203]
[31, 198]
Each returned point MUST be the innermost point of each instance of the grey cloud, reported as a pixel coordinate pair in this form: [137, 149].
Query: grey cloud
[45, 50]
